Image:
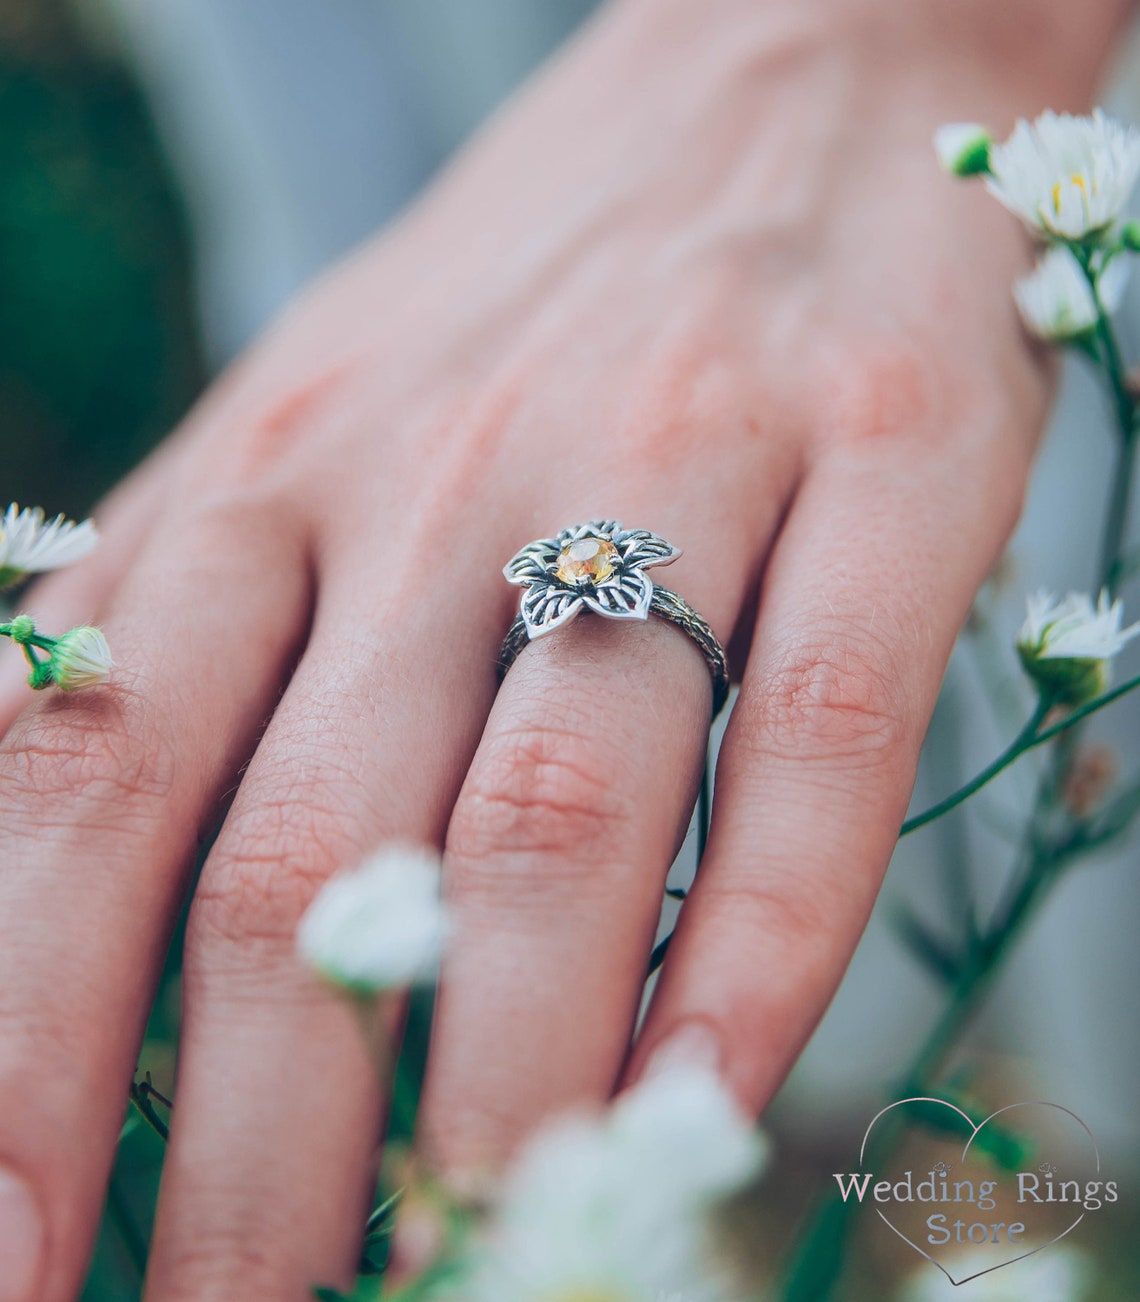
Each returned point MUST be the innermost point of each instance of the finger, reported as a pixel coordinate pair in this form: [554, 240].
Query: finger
[277, 1109]
[869, 584]
[572, 811]
[103, 797]
[78, 594]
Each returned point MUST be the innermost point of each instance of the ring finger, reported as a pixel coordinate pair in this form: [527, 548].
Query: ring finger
[557, 850]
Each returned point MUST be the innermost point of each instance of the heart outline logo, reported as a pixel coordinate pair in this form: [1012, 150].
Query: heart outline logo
[975, 1130]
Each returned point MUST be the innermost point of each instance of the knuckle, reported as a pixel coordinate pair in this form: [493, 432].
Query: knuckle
[218, 1259]
[838, 699]
[885, 390]
[94, 753]
[535, 791]
[284, 424]
[778, 907]
[274, 854]
[688, 381]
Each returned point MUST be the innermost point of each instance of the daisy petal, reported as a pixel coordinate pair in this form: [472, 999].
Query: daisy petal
[29, 544]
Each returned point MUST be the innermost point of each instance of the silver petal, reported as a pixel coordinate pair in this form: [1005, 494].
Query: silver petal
[547, 607]
[626, 596]
[643, 549]
[530, 564]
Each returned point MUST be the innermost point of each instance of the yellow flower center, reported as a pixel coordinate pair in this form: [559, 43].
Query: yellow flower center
[1076, 180]
[589, 560]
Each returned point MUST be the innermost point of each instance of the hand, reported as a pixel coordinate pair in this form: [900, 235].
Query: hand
[704, 277]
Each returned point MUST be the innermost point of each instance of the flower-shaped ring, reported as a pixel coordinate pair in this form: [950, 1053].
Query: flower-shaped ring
[601, 567]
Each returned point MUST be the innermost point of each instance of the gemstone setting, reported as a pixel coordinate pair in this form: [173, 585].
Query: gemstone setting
[587, 560]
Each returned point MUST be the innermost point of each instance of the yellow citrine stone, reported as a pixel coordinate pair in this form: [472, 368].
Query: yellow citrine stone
[589, 560]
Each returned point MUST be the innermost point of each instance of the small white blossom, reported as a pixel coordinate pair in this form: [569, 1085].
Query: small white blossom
[1058, 1274]
[80, 658]
[379, 926]
[1066, 177]
[618, 1208]
[1055, 300]
[1074, 627]
[1065, 646]
[963, 148]
[29, 544]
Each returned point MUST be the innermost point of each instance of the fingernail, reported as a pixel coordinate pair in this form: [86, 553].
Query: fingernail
[21, 1239]
[691, 1045]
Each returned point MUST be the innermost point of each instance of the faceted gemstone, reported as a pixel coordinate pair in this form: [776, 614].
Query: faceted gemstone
[589, 560]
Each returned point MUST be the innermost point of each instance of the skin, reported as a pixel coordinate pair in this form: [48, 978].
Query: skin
[703, 276]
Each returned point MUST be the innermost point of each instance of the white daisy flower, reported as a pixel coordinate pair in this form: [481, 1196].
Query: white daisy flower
[29, 544]
[379, 926]
[963, 148]
[80, 658]
[1066, 177]
[619, 1208]
[1065, 646]
[1055, 300]
[1060, 1275]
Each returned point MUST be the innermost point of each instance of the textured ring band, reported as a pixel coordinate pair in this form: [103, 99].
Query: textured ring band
[600, 567]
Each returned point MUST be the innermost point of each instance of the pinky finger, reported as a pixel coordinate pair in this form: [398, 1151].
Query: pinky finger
[862, 603]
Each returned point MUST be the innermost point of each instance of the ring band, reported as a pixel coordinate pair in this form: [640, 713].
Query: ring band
[601, 567]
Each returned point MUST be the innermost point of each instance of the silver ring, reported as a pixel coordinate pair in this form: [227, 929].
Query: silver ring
[601, 567]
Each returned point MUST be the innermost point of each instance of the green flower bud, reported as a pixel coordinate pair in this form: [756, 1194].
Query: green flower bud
[21, 628]
[1065, 646]
[963, 148]
[1072, 680]
[80, 658]
[40, 677]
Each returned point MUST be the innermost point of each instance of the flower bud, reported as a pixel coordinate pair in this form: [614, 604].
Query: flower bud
[1065, 646]
[963, 148]
[1068, 680]
[80, 658]
[1056, 301]
[1130, 236]
[21, 628]
[40, 677]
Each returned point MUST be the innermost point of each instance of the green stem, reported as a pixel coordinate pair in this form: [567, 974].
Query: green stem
[704, 811]
[34, 639]
[1124, 406]
[140, 1097]
[704, 819]
[1025, 740]
[1112, 568]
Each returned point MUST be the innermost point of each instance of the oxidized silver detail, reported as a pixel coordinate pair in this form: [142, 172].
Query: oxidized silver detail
[601, 567]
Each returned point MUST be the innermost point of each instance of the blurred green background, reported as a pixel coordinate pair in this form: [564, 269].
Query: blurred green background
[99, 353]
